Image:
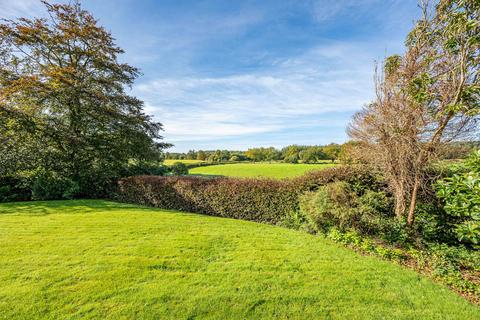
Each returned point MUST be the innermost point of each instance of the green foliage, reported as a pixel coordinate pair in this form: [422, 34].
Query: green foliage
[262, 200]
[51, 186]
[16, 188]
[249, 199]
[312, 155]
[332, 151]
[375, 203]
[453, 266]
[353, 238]
[145, 168]
[450, 263]
[179, 169]
[434, 225]
[461, 194]
[339, 205]
[332, 205]
[65, 110]
[294, 158]
[392, 63]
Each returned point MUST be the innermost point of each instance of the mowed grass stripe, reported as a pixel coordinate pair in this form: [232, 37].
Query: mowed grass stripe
[98, 259]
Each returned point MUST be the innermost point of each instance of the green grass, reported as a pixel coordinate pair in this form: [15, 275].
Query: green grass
[262, 169]
[169, 162]
[98, 259]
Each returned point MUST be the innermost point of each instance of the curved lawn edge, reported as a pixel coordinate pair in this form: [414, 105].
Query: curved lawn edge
[185, 265]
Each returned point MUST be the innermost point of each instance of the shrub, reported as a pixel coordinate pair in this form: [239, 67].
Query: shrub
[291, 159]
[358, 177]
[375, 203]
[137, 169]
[337, 205]
[461, 194]
[263, 200]
[433, 224]
[331, 205]
[179, 169]
[51, 186]
[15, 188]
[259, 200]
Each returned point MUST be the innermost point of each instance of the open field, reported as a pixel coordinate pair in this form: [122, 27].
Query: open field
[261, 169]
[169, 162]
[98, 259]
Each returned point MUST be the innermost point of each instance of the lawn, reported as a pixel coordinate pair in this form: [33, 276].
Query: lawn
[169, 162]
[262, 169]
[98, 259]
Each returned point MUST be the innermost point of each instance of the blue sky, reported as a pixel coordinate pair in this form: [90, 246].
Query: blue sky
[238, 74]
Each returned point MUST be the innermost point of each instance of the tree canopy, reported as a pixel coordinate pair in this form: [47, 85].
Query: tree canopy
[64, 101]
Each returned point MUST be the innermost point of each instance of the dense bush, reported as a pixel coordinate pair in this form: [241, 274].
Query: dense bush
[142, 168]
[434, 225]
[359, 179]
[332, 205]
[461, 194]
[15, 188]
[248, 199]
[179, 169]
[263, 200]
[54, 185]
[338, 205]
[51, 186]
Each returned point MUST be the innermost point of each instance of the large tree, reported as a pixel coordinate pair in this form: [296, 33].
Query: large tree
[64, 104]
[426, 97]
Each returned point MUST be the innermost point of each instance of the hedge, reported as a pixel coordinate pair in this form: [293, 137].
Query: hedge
[261, 200]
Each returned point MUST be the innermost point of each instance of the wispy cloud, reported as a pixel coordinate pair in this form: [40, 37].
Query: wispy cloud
[234, 74]
[295, 93]
[10, 9]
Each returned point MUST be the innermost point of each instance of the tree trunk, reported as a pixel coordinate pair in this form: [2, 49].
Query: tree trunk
[413, 201]
[400, 202]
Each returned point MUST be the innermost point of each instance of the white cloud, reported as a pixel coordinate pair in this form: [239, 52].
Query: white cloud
[294, 94]
[10, 9]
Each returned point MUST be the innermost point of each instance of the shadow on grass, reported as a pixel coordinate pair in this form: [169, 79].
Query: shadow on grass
[41, 208]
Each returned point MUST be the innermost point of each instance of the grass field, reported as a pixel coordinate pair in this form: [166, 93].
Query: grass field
[262, 169]
[169, 162]
[103, 260]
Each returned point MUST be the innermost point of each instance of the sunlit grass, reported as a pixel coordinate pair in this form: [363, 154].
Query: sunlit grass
[169, 162]
[261, 169]
[99, 260]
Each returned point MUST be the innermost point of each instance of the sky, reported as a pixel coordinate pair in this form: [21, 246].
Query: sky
[239, 74]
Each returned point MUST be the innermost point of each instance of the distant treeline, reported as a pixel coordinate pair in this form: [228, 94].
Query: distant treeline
[304, 154]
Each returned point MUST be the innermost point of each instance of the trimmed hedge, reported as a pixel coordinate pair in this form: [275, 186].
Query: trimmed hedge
[261, 200]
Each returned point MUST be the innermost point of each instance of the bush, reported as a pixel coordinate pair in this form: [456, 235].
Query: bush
[249, 199]
[262, 200]
[291, 159]
[153, 169]
[179, 169]
[433, 224]
[337, 205]
[15, 189]
[359, 179]
[375, 203]
[51, 186]
[332, 205]
[461, 194]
